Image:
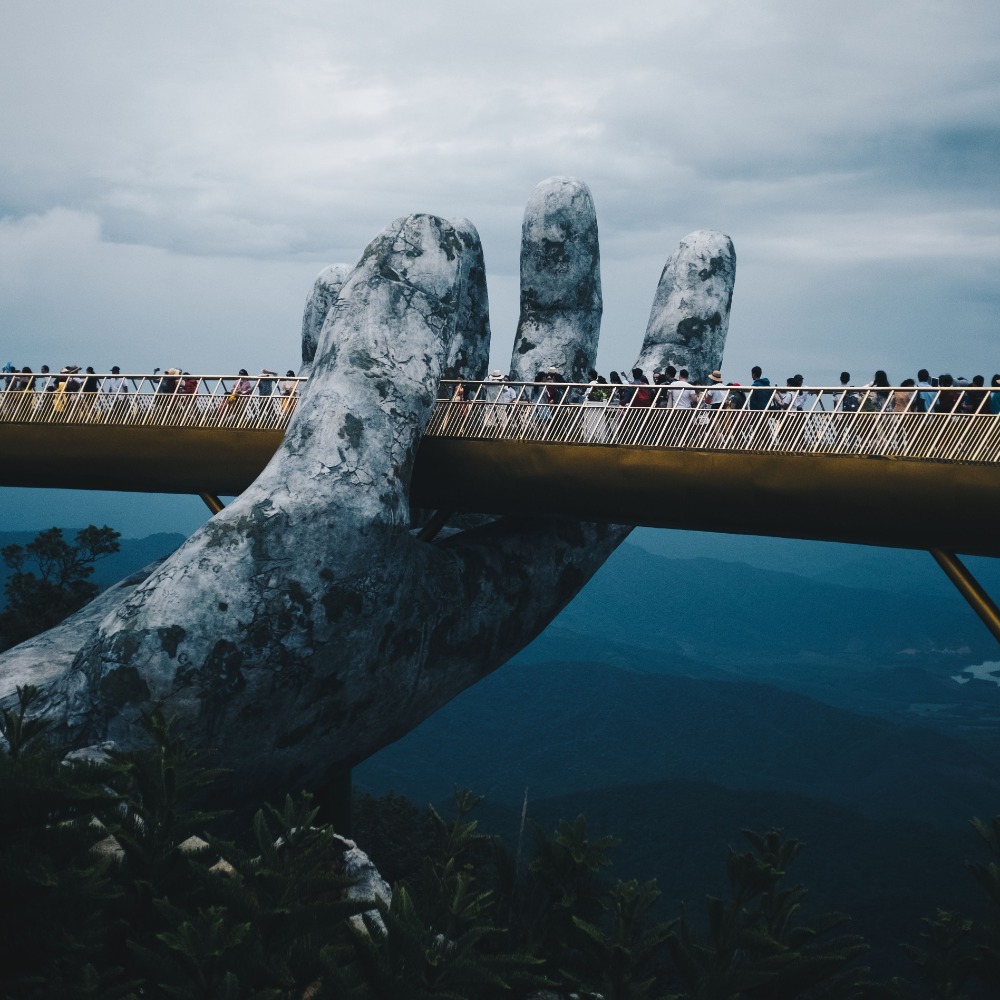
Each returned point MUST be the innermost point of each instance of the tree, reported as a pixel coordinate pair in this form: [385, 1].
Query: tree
[50, 579]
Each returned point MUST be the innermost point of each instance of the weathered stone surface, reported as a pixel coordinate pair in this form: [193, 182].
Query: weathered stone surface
[41, 661]
[306, 626]
[561, 302]
[99, 754]
[324, 292]
[690, 316]
[367, 886]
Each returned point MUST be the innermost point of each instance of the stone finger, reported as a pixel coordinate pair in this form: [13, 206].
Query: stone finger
[561, 303]
[324, 292]
[689, 319]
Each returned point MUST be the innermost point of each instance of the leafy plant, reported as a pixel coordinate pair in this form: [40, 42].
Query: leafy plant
[757, 943]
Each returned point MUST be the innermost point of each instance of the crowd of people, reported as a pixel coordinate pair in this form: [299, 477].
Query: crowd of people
[171, 382]
[60, 388]
[672, 387]
[669, 387]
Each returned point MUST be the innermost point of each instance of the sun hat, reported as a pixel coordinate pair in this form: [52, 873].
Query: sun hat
[716, 376]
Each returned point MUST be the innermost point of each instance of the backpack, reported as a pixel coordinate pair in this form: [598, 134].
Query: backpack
[850, 402]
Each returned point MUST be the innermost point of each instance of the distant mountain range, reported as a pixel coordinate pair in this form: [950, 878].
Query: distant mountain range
[564, 728]
[860, 566]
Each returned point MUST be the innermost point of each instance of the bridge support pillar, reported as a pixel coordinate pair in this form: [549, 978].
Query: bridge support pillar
[969, 587]
[436, 522]
[212, 502]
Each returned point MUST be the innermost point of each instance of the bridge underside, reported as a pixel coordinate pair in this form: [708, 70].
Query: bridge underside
[219, 461]
[871, 501]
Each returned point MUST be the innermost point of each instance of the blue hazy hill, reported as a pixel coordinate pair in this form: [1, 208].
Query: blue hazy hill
[860, 566]
[562, 728]
[891, 653]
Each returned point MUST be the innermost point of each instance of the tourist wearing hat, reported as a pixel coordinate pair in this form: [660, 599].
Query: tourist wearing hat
[715, 395]
[71, 383]
[168, 384]
[949, 397]
[492, 387]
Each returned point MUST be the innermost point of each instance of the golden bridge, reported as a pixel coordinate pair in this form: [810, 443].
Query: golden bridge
[726, 459]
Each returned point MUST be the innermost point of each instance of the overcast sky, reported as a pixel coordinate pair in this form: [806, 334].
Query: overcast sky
[173, 177]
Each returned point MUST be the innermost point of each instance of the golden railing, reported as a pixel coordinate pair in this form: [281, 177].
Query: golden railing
[202, 401]
[891, 422]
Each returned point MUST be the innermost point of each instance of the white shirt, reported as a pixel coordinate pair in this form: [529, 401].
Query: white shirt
[493, 388]
[683, 395]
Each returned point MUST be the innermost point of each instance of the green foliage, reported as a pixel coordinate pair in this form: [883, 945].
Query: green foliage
[402, 957]
[446, 945]
[619, 960]
[757, 944]
[945, 959]
[113, 888]
[58, 585]
[55, 884]
[157, 785]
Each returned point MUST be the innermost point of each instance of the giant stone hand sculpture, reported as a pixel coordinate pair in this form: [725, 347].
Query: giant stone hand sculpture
[306, 626]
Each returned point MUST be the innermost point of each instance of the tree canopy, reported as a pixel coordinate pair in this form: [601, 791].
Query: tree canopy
[50, 579]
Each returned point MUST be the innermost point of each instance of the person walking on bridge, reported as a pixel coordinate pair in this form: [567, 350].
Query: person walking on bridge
[759, 397]
[682, 392]
[595, 403]
[289, 389]
[925, 398]
[491, 393]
